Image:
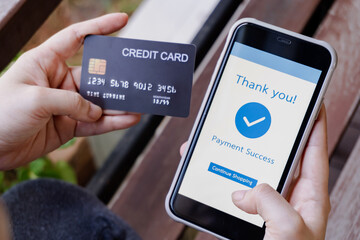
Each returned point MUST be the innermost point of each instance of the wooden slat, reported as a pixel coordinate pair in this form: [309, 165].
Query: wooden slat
[19, 19]
[344, 219]
[290, 14]
[140, 201]
[8, 8]
[341, 29]
[169, 23]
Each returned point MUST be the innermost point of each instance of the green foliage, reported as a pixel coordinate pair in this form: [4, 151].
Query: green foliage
[40, 168]
[129, 6]
[68, 144]
[126, 6]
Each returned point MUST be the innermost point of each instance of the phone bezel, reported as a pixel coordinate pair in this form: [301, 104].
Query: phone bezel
[216, 221]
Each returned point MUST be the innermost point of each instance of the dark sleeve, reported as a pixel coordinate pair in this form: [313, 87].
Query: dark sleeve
[53, 210]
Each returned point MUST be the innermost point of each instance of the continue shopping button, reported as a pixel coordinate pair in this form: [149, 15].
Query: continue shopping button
[232, 175]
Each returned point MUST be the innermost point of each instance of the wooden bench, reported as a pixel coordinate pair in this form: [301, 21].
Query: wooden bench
[341, 28]
[19, 19]
[140, 199]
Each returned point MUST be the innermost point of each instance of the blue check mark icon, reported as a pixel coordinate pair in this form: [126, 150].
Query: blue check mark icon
[252, 120]
[249, 124]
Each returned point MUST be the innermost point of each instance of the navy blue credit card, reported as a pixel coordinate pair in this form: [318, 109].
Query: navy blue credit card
[138, 75]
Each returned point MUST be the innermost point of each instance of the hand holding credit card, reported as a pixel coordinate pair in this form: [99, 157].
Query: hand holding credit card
[138, 75]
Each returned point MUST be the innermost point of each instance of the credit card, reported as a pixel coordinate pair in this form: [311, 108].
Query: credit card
[138, 75]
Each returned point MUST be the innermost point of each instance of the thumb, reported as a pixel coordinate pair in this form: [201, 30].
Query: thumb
[71, 104]
[278, 214]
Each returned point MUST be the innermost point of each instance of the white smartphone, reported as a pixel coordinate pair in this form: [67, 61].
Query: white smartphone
[264, 97]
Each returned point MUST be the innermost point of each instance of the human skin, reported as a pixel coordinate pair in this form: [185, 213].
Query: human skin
[303, 215]
[40, 107]
[4, 223]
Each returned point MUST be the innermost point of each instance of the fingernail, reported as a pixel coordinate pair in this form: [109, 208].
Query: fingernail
[95, 111]
[238, 195]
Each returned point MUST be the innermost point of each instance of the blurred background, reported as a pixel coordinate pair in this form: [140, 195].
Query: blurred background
[72, 11]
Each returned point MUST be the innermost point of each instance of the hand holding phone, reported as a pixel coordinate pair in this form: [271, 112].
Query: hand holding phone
[305, 212]
[285, 220]
[254, 123]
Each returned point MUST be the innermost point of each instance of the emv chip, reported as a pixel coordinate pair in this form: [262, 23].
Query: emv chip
[97, 66]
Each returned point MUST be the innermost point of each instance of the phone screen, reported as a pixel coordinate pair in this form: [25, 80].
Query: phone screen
[251, 125]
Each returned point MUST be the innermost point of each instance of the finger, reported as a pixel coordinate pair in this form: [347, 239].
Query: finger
[76, 76]
[4, 223]
[313, 178]
[68, 41]
[315, 164]
[116, 112]
[107, 124]
[319, 133]
[183, 148]
[67, 103]
[270, 205]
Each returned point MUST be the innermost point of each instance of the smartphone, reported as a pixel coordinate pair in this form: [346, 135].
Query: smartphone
[262, 101]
